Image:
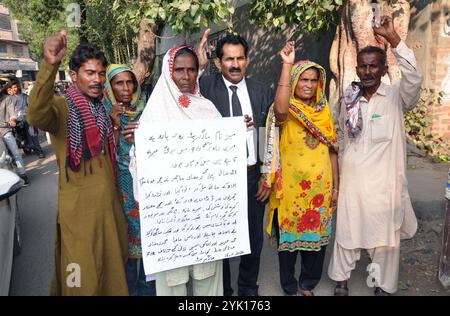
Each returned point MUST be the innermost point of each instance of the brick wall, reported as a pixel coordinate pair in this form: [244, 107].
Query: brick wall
[439, 70]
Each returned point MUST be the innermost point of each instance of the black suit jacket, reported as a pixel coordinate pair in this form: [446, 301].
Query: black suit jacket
[261, 98]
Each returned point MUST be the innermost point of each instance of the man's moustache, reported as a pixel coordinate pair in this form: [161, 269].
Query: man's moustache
[235, 70]
[369, 78]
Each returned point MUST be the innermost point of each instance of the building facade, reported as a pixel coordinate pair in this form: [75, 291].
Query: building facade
[14, 52]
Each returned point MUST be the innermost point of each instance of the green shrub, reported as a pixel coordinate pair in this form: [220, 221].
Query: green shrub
[418, 126]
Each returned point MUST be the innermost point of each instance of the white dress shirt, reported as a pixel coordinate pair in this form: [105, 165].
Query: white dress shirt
[246, 105]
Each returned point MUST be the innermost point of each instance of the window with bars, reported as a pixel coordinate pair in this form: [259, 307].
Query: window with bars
[5, 22]
[18, 50]
[3, 48]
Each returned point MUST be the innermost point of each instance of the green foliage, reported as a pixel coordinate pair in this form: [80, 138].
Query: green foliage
[183, 16]
[307, 16]
[116, 40]
[417, 126]
[113, 25]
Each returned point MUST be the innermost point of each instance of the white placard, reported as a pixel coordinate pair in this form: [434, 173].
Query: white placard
[192, 192]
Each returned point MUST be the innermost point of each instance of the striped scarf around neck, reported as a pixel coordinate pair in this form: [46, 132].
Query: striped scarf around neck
[87, 127]
[354, 122]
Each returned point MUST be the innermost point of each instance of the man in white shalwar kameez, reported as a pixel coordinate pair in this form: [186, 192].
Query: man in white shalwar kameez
[374, 209]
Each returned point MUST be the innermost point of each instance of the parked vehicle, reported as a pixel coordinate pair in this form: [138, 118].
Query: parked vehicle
[10, 235]
[61, 87]
[6, 78]
[20, 135]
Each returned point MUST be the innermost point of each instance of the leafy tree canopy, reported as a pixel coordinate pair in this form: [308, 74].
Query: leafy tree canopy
[113, 25]
[308, 16]
[184, 16]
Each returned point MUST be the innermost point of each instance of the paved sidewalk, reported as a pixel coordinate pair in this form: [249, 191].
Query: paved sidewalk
[33, 267]
[426, 187]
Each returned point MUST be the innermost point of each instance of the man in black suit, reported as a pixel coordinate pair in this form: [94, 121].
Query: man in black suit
[235, 95]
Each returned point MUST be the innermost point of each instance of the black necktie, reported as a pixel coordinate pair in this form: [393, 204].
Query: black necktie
[235, 104]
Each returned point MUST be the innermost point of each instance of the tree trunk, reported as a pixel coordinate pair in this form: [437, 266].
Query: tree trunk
[146, 43]
[83, 19]
[354, 32]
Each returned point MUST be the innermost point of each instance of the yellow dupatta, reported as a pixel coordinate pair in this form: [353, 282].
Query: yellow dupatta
[317, 119]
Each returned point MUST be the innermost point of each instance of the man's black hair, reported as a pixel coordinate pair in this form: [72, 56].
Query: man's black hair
[232, 39]
[15, 82]
[374, 49]
[187, 51]
[83, 53]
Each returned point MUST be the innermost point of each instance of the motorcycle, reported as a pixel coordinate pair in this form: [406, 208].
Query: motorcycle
[20, 134]
[10, 234]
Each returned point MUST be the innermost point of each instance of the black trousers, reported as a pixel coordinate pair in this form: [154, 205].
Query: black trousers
[249, 264]
[311, 266]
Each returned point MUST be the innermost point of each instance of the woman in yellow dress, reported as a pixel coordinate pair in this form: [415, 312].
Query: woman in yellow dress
[301, 172]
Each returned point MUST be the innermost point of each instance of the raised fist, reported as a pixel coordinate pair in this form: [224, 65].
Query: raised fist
[386, 30]
[386, 27]
[288, 53]
[202, 50]
[55, 48]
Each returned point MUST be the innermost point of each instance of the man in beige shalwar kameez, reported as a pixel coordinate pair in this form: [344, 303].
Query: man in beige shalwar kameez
[91, 231]
[374, 209]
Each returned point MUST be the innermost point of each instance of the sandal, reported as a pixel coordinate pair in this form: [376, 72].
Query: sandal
[380, 292]
[302, 292]
[341, 290]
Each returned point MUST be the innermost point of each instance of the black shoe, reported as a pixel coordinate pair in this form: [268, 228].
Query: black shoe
[41, 155]
[341, 289]
[380, 292]
[25, 179]
[289, 293]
